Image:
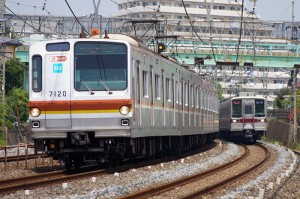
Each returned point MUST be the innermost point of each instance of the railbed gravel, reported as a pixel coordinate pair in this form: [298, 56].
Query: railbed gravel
[259, 186]
[116, 185]
[40, 165]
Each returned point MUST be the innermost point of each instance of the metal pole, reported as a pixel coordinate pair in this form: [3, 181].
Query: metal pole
[295, 116]
[295, 107]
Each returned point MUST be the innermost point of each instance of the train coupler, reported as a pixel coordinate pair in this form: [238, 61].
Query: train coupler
[249, 135]
[80, 138]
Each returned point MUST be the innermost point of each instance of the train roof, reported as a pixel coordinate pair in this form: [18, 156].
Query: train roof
[243, 97]
[131, 40]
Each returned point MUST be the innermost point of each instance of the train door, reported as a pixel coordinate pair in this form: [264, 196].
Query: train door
[248, 119]
[57, 91]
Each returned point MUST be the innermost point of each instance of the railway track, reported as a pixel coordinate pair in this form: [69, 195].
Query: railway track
[179, 184]
[22, 157]
[46, 179]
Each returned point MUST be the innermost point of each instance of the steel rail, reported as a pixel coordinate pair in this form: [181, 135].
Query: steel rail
[26, 182]
[232, 179]
[189, 179]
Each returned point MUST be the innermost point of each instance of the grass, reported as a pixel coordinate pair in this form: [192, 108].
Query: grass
[273, 141]
[293, 146]
[2, 139]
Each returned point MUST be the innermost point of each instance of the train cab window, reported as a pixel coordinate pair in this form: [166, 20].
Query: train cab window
[237, 108]
[36, 73]
[100, 66]
[259, 108]
[248, 109]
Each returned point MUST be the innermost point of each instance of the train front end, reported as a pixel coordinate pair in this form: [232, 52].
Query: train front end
[248, 118]
[79, 102]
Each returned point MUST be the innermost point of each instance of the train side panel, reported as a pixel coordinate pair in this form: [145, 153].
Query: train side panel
[103, 99]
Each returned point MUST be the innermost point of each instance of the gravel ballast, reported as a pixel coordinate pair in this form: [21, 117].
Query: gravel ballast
[118, 184]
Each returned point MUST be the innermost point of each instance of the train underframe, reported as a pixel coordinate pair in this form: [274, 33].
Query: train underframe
[246, 135]
[80, 148]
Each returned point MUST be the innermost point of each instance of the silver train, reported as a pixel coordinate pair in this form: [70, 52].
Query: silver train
[243, 117]
[110, 99]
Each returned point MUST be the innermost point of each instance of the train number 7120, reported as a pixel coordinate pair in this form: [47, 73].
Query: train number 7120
[58, 93]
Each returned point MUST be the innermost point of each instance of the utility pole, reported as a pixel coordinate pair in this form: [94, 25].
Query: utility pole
[2, 87]
[293, 17]
[296, 70]
[96, 14]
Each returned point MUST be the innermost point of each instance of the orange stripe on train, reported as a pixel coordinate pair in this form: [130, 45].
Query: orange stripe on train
[80, 105]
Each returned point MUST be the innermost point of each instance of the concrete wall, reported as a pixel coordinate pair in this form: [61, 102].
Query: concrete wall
[279, 130]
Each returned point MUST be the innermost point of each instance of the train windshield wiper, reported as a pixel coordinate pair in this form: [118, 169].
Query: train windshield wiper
[85, 84]
[106, 87]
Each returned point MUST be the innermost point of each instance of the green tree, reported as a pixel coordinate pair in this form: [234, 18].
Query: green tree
[219, 90]
[281, 102]
[13, 74]
[17, 102]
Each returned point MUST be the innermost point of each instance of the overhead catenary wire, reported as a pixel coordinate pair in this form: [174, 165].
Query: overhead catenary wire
[23, 20]
[187, 15]
[30, 25]
[76, 18]
[43, 8]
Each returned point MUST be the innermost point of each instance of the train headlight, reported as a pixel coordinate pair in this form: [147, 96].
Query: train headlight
[233, 121]
[124, 110]
[262, 120]
[35, 112]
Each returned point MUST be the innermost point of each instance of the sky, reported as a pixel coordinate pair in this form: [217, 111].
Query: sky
[269, 10]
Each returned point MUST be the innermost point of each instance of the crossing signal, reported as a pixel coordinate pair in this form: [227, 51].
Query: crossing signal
[161, 47]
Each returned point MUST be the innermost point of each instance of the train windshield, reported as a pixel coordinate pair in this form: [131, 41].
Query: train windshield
[259, 108]
[237, 108]
[100, 66]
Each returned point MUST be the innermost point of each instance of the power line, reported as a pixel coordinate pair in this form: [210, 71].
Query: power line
[76, 18]
[43, 8]
[196, 32]
[23, 20]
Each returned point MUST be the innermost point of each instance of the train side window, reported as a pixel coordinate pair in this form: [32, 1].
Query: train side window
[157, 90]
[192, 96]
[180, 92]
[168, 96]
[173, 91]
[138, 82]
[162, 88]
[197, 98]
[209, 101]
[151, 84]
[248, 109]
[186, 87]
[176, 92]
[201, 103]
[145, 84]
[36, 73]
